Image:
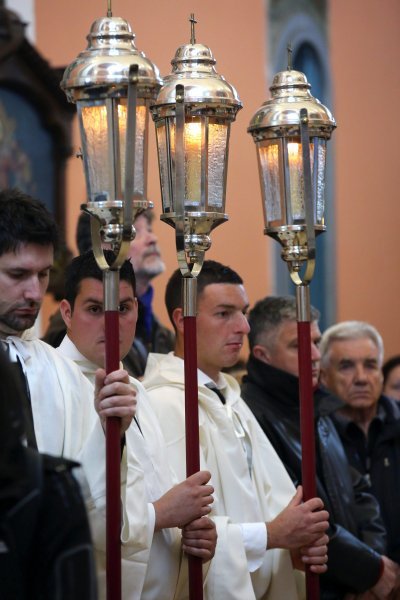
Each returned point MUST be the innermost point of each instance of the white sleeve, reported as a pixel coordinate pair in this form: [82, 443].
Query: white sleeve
[255, 543]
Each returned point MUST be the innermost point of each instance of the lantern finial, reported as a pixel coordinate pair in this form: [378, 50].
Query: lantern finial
[192, 32]
[289, 56]
[109, 9]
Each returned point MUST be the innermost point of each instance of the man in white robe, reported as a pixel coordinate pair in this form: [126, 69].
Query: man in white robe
[261, 521]
[60, 415]
[152, 507]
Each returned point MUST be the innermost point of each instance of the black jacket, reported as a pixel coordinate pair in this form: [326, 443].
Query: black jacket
[357, 536]
[379, 460]
[160, 340]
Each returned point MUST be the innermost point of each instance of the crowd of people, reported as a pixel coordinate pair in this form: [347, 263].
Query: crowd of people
[243, 513]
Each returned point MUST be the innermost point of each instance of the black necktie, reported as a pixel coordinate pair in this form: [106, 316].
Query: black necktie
[213, 387]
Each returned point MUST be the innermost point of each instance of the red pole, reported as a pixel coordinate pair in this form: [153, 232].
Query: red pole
[192, 415]
[113, 443]
[308, 470]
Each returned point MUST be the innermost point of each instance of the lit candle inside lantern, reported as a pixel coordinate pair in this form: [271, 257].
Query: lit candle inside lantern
[193, 144]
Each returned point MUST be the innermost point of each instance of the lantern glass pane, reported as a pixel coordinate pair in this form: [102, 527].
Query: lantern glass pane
[205, 155]
[140, 142]
[94, 136]
[268, 162]
[295, 182]
[104, 153]
[162, 147]
[217, 146]
[142, 116]
[320, 180]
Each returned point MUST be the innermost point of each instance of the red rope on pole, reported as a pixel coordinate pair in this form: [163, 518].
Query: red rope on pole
[308, 470]
[113, 475]
[192, 437]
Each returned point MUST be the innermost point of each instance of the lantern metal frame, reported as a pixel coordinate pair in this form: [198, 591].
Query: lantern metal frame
[294, 115]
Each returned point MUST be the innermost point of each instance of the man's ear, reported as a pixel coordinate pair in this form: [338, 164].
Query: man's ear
[261, 353]
[66, 312]
[177, 317]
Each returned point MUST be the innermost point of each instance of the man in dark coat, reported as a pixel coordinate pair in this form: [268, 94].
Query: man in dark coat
[357, 561]
[368, 423]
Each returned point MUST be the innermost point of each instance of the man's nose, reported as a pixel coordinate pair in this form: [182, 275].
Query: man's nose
[243, 324]
[360, 374]
[33, 290]
[151, 237]
[315, 353]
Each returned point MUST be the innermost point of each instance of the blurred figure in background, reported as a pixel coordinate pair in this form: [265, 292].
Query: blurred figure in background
[151, 335]
[391, 378]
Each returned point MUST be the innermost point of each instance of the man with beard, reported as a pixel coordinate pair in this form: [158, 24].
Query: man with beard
[60, 418]
[151, 335]
[271, 389]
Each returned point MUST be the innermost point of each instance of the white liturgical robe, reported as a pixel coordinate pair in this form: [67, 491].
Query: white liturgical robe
[61, 397]
[152, 565]
[250, 481]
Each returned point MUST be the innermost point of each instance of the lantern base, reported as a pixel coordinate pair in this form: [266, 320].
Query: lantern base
[293, 239]
[196, 222]
[109, 214]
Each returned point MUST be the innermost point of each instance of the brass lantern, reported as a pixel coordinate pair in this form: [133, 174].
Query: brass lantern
[192, 114]
[113, 84]
[291, 131]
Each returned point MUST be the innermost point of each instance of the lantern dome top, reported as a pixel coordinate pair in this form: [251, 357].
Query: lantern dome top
[104, 66]
[196, 53]
[193, 66]
[289, 79]
[290, 92]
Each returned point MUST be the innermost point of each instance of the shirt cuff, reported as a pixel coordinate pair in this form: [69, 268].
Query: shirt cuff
[151, 511]
[255, 543]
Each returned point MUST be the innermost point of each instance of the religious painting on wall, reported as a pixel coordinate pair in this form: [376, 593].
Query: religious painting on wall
[35, 120]
[26, 149]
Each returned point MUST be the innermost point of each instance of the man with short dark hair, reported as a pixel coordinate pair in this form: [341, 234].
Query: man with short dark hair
[153, 508]
[368, 422]
[145, 255]
[261, 520]
[271, 389]
[59, 414]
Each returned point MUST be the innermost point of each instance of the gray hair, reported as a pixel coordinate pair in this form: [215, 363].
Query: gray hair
[350, 330]
[267, 315]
